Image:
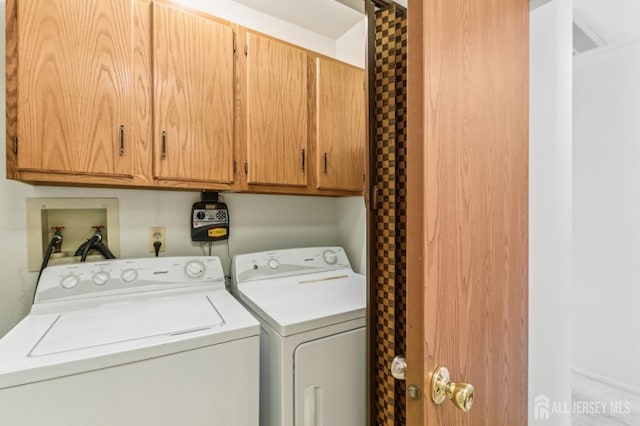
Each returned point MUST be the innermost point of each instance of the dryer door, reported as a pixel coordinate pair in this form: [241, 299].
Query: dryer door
[330, 380]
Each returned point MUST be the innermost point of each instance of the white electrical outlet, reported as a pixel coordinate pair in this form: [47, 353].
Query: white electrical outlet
[157, 233]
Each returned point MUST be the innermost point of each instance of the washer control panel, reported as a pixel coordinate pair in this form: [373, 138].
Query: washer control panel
[127, 276]
[281, 263]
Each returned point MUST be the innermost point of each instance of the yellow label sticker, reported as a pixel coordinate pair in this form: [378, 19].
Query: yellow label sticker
[217, 232]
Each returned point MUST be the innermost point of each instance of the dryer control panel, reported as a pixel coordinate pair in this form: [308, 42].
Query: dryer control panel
[282, 263]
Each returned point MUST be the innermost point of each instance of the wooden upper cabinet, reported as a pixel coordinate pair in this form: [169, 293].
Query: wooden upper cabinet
[149, 93]
[193, 69]
[276, 110]
[341, 126]
[76, 61]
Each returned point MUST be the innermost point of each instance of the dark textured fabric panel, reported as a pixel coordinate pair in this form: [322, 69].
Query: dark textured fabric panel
[401, 208]
[385, 217]
[391, 67]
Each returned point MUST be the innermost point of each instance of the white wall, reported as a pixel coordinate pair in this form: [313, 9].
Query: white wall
[351, 215]
[258, 222]
[550, 207]
[351, 46]
[606, 176]
[351, 212]
[258, 21]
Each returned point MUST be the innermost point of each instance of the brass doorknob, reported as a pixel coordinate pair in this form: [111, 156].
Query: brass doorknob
[442, 388]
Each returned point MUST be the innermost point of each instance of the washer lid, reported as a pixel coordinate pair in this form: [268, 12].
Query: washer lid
[123, 330]
[126, 321]
[296, 304]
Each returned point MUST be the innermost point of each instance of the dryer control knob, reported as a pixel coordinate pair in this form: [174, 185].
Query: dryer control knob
[195, 269]
[273, 264]
[330, 257]
[69, 281]
[101, 278]
[129, 275]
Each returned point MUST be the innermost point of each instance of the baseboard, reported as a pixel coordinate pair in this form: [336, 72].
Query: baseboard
[606, 381]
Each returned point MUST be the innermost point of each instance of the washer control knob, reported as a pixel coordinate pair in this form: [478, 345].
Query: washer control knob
[194, 269]
[273, 264]
[69, 281]
[101, 278]
[330, 257]
[129, 275]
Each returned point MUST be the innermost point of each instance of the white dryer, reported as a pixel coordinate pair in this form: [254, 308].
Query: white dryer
[312, 310]
[144, 342]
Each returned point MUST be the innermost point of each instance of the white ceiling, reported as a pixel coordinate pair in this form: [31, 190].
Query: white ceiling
[613, 21]
[607, 21]
[327, 17]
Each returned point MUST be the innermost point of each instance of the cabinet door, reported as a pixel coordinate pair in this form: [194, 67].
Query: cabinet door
[74, 97]
[341, 130]
[193, 69]
[276, 112]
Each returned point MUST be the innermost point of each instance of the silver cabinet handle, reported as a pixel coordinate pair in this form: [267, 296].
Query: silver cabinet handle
[164, 144]
[121, 139]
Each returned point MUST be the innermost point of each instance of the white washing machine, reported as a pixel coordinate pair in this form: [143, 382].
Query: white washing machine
[144, 342]
[312, 311]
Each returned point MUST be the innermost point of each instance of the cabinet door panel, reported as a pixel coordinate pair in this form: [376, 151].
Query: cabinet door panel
[75, 67]
[341, 126]
[276, 112]
[193, 68]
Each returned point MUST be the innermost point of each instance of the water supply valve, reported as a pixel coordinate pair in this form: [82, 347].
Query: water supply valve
[98, 229]
[57, 246]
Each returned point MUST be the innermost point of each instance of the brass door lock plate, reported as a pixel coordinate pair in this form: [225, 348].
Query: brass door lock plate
[413, 392]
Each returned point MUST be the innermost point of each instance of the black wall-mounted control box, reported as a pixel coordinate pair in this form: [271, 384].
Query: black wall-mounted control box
[209, 219]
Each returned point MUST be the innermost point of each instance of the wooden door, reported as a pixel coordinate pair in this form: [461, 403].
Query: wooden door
[277, 114]
[341, 128]
[193, 68]
[75, 95]
[467, 199]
